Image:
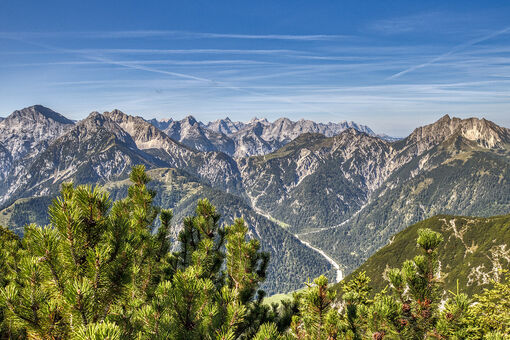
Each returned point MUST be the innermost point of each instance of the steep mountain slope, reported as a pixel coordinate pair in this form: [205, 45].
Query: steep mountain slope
[291, 261]
[315, 181]
[473, 251]
[459, 167]
[147, 137]
[95, 150]
[23, 135]
[26, 211]
[215, 168]
[5, 163]
[191, 133]
[28, 131]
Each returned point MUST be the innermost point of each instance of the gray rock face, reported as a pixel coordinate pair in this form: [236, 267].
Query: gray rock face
[191, 133]
[315, 181]
[94, 150]
[24, 134]
[225, 126]
[337, 185]
[5, 162]
[212, 166]
[28, 131]
[256, 137]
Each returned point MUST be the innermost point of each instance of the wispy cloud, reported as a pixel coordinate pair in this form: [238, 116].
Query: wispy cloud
[333, 77]
[405, 24]
[168, 35]
[450, 52]
[221, 62]
[431, 21]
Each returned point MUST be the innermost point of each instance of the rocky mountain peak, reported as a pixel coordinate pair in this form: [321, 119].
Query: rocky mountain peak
[225, 126]
[485, 133]
[143, 133]
[190, 120]
[29, 130]
[257, 128]
[255, 120]
[38, 112]
[161, 124]
[97, 122]
[116, 114]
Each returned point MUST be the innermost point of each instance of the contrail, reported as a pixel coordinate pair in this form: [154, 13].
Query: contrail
[173, 35]
[175, 74]
[452, 51]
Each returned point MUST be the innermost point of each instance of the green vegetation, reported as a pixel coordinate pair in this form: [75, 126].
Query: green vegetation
[178, 190]
[26, 211]
[468, 182]
[105, 269]
[472, 254]
[102, 270]
[410, 309]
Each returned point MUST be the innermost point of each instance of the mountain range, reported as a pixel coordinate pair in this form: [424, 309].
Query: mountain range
[322, 198]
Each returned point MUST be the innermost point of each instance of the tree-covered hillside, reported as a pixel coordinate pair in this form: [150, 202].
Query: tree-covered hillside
[473, 253]
[292, 262]
[104, 269]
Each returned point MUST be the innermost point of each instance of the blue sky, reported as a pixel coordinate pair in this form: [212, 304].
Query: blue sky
[392, 65]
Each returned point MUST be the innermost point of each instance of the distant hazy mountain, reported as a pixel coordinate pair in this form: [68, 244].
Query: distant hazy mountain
[225, 126]
[337, 186]
[193, 134]
[256, 137]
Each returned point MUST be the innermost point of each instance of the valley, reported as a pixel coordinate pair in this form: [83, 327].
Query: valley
[321, 198]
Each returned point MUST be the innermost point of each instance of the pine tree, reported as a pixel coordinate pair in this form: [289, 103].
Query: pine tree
[492, 310]
[317, 318]
[417, 286]
[87, 266]
[101, 269]
[9, 244]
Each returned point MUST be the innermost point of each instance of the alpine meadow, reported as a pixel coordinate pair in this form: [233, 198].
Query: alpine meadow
[241, 170]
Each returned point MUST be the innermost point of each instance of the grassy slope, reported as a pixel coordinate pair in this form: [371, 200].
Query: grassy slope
[473, 251]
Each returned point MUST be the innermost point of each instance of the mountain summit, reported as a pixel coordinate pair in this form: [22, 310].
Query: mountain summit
[337, 187]
[485, 133]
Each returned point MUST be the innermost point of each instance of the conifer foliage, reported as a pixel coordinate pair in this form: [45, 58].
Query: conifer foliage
[108, 270]
[411, 309]
[103, 270]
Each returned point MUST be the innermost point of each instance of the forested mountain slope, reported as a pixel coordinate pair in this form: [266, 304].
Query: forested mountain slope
[345, 195]
[474, 251]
